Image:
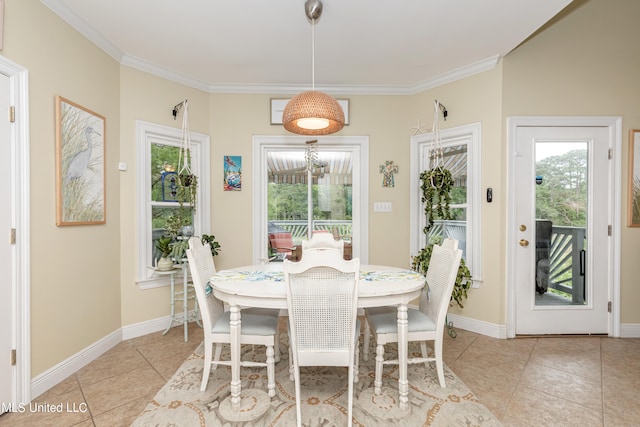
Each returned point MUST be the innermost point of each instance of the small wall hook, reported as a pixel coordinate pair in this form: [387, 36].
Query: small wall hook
[177, 108]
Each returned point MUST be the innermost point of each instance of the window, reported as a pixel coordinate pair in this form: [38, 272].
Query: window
[157, 157]
[290, 199]
[462, 157]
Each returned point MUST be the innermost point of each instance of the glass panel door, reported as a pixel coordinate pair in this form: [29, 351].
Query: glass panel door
[308, 190]
[561, 222]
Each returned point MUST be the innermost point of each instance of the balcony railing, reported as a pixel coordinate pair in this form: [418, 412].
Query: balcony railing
[567, 262]
[453, 229]
[299, 228]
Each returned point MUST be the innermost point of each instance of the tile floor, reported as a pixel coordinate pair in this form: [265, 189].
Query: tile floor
[551, 381]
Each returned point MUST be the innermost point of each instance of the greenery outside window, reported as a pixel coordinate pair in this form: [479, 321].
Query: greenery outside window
[157, 161]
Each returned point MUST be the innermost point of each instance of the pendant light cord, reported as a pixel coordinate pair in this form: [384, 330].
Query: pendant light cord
[313, 54]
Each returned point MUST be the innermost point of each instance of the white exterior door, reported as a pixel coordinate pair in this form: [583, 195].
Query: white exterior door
[7, 312]
[562, 188]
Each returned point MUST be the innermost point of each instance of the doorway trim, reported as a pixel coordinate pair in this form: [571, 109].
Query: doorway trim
[21, 281]
[614, 125]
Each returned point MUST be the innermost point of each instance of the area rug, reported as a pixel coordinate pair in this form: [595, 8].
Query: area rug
[324, 397]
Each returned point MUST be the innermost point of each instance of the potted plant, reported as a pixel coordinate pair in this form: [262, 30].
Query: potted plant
[164, 246]
[420, 263]
[436, 185]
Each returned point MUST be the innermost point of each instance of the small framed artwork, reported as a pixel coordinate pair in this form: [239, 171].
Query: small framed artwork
[278, 104]
[80, 165]
[634, 178]
[232, 173]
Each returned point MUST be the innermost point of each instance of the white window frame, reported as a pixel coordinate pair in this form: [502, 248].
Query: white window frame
[148, 134]
[358, 146]
[471, 135]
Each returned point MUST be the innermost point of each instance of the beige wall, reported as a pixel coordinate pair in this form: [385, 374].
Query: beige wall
[478, 100]
[83, 278]
[387, 120]
[586, 64]
[75, 271]
[150, 99]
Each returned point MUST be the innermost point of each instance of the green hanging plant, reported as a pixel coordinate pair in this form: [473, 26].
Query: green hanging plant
[187, 190]
[420, 263]
[437, 184]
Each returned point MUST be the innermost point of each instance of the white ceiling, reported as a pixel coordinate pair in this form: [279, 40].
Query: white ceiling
[264, 46]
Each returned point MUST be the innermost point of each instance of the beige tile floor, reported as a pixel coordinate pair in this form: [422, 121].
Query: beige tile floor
[551, 381]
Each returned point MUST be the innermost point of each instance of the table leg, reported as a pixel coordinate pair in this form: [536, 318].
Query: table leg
[235, 328]
[185, 303]
[173, 303]
[403, 383]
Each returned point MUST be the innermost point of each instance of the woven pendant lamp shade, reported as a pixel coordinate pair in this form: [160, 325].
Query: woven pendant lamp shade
[313, 105]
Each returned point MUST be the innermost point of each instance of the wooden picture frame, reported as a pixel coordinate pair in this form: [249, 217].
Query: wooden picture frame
[80, 165]
[634, 179]
[278, 104]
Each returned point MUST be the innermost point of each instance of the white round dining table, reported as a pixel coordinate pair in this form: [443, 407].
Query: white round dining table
[263, 286]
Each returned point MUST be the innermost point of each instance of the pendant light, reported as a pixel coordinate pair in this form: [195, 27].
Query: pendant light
[313, 112]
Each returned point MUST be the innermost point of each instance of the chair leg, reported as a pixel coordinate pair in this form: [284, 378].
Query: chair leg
[425, 353]
[291, 366]
[216, 357]
[356, 362]
[377, 383]
[350, 408]
[367, 335]
[437, 347]
[298, 403]
[206, 370]
[277, 346]
[271, 372]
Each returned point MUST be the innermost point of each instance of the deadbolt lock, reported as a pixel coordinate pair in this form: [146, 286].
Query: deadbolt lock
[523, 227]
[524, 242]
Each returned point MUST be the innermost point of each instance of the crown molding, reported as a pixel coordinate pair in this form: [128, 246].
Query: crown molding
[72, 18]
[81, 26]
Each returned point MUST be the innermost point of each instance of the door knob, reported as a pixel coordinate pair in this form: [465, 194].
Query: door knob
[524, 242]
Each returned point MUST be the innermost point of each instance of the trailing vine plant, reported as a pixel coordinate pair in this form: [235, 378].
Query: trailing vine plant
[420, 263]
[436, 185]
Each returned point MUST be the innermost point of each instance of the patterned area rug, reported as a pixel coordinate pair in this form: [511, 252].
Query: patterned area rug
[324, 397]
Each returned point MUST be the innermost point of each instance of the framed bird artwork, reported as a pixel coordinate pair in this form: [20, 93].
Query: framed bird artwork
[80, 165]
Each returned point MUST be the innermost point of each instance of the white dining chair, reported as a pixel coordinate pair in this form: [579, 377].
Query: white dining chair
[258, 327]
[322, 241]
[322, 299]
[425, 323]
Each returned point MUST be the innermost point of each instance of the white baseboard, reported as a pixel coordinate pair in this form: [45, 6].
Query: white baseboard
[145, 328]
[627, 330]
[478, 326]
[630, 330]
[71, 365]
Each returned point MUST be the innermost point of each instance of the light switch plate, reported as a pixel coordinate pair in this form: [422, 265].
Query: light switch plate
[382, 207]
